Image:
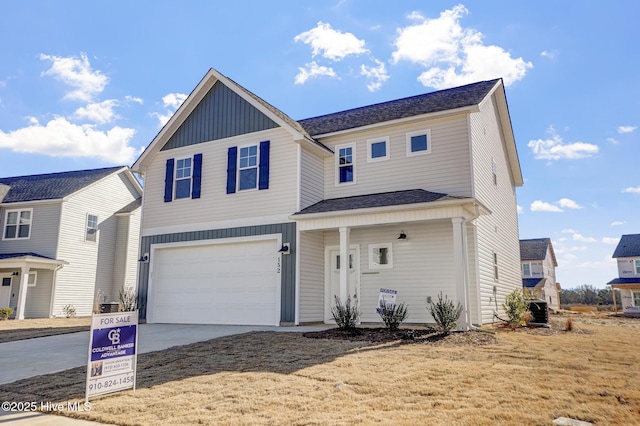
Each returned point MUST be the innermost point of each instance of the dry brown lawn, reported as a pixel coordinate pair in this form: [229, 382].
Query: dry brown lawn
[11, 330]
[523, 378]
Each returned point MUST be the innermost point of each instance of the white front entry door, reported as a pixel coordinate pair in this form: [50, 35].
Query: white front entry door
[5, 290]
[333, 286]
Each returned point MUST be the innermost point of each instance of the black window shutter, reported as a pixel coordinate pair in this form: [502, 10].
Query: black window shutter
[168, 181]
[263, 182]
[232, 159]
[197, 176]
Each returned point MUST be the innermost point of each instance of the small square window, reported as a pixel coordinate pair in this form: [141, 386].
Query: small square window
[419, 143]
[32, 279]
[17, 224]
[378, 149]
[380, 256]
[92, 228]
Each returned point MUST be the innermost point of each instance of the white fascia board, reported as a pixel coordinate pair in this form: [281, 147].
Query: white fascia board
[32, 262]
[19, 204]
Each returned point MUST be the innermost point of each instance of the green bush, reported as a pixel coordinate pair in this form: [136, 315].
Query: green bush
[516, 306]
[5, 313]
[346, 315]
[392, 315]
[445, 313]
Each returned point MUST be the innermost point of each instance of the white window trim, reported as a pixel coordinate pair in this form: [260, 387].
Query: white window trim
[370, 142]
[257, 167]
[636, 264]
[337, 163]
[4, 227]
[176, 179]
[86, 228]
[389, 247]
[35, 279]
[418, 133]
[530, 270]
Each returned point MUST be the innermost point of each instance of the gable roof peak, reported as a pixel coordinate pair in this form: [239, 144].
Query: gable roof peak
[629, 246]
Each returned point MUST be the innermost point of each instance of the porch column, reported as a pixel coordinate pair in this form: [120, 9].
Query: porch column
[459, 262]
[22, 292]
[344, 263]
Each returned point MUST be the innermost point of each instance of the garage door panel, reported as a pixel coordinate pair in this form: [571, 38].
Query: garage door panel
[229, 283]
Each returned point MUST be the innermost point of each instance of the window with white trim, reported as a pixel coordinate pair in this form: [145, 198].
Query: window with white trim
[526, 269]
[248, 167]
[380, 256]
[183, 178]
[378, 149]
[32, 279]
[17, 224]
[419, 143]
[92, 228]
[637, 263]
[636, 298]
[345, 163]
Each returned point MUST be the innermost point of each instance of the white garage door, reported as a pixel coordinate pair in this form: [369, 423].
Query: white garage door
[228, 283]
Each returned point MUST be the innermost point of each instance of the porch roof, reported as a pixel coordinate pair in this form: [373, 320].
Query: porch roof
[34, 260]
[532, 282]
[623, 281]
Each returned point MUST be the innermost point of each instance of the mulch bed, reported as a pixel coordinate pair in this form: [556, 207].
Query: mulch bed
[406, 335]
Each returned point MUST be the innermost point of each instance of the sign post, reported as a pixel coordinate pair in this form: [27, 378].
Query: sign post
[113, 342]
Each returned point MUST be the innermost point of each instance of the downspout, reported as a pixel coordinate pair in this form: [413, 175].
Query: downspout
[53, 290]
[465, 258]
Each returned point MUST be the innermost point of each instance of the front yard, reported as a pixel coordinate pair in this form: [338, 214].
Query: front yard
[591, 373]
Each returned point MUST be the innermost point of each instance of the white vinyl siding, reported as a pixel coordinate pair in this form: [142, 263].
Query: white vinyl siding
[311, 266]
[445, 169]
[44, 231]
[497, 232]
[215, 204]
[311, 179]
[38, 296]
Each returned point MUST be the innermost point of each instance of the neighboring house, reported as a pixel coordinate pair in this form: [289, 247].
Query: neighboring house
[539, 270]
[628, 255]
[248, 216]
[64, 237]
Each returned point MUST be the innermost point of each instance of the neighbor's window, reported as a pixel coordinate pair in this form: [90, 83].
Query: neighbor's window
[419, 143]
[92, 228]
[636, 298]
[495, 266]
[32, 279]
[380, 256]
[526, 269]
[637, 267]
[17, 224]
[183, 178]
[378, 149]
[248, 167]
[345, 163]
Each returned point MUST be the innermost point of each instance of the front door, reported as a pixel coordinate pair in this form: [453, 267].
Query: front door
[333, 286]
[5, 290]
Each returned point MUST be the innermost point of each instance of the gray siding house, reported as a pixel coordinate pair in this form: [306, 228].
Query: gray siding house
[627, 255]
[66, 237]
[539, 270]
[251, 217]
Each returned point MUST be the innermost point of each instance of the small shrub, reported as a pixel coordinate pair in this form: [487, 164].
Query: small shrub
[5, 313]
[347, 315]
[516, 307]
[128, 299]
[445, 313]
[568, 325]
[69, 311]
[392, 315]
[97, 300]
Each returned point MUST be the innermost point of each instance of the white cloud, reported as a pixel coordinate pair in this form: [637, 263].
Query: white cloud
[101, 112]
[60, 138]
[549, 54]
[520, 210]
[613, 141]
[617, 223]
[172, 102]
[568, 231]
[313, 70]
[554, 148]
[454, 55]
[569, 204]
[134, 99]
[626, 129]
[376, 75]
[77, 73]
[541, 206]
[583, 239]
[609, 240]
[632, 190]
[330, 43]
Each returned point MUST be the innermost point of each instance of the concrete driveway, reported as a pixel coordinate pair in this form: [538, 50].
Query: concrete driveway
[44, 355]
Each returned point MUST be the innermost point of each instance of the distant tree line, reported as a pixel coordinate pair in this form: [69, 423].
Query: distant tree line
[589, 295]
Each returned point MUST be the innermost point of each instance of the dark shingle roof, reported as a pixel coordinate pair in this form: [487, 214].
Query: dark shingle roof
[51, 186]
[531, 282]
[396, 198]
[625, 281]
[535, 249]
[17, 255]
[457, 97]
[628, 246]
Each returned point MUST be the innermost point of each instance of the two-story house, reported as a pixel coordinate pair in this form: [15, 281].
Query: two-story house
[627, 254]
[251, 217]
[539, 270]
[65, 236]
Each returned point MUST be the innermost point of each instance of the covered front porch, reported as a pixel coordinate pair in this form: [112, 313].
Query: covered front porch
[27, 284]
[629, 295]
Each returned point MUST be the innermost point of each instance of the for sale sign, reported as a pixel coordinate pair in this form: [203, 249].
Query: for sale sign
[386, 297]
[112, 353]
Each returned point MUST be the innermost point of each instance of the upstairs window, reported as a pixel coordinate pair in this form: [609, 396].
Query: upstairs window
[345, 163]
[248, 167]
[526, 269]
[419, 142]
[17, 224]
[637, 262]
[378, 149]
[92, 228]
[183, 178]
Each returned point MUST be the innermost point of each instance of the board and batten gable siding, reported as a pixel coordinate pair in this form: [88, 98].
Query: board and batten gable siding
[311, 179]
[90, 264]
[423, 266]
[497, 232]
[220, 114]
[214, 203]
[446, 169]
[287, 232]
[43, 239]
[311, 277]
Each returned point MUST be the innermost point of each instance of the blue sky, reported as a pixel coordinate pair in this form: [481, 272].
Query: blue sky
[89, 84]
